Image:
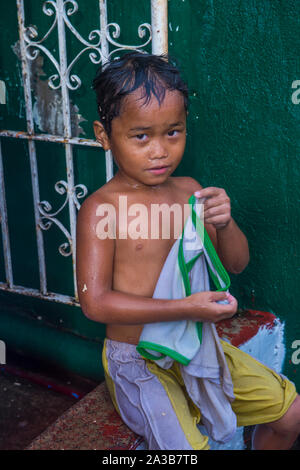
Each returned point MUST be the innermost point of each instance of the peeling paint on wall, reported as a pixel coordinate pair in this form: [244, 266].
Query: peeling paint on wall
[47, 103]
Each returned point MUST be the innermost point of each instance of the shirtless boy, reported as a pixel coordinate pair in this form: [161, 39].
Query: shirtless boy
[142, 105]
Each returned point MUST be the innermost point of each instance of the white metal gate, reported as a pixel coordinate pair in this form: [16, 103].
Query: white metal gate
[101, 44]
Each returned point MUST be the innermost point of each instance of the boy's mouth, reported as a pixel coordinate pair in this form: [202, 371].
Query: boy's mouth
[159, 170]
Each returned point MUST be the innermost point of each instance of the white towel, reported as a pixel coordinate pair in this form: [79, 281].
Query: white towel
[196, 346]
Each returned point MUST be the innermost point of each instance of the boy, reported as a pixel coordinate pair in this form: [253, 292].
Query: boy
[142, 105]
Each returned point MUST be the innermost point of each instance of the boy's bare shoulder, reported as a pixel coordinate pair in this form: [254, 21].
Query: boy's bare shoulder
[88, 209]
[186, 184]
[105, 194]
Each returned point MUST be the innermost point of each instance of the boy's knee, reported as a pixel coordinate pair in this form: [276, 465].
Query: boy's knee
[290, 421]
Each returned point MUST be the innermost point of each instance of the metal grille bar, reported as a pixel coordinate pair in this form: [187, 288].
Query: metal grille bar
[31, 146]
[50, 138]
[102, 44]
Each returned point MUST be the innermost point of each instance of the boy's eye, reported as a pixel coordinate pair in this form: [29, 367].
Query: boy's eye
[141, 136]
[172, 133]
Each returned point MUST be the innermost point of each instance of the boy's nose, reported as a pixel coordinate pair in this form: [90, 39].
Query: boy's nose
[158, 151]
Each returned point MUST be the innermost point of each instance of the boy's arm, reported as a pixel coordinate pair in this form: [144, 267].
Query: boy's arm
[233, 247]
[230, 242]
[98, 300]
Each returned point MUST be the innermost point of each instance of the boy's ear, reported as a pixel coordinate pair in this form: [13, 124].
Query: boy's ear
[101, 135]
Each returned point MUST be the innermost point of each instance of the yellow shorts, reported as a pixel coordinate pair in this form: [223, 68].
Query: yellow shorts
[154, 403]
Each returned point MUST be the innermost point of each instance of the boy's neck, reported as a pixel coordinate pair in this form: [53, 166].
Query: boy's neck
[123, 179]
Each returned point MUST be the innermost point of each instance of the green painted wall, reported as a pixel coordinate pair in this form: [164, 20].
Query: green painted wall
[240, 59]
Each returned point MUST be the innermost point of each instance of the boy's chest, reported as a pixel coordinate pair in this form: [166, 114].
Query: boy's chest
[138, 263]
[149, 224]
[145, 237]
[143, 252]
[145, 234]
[147, 227]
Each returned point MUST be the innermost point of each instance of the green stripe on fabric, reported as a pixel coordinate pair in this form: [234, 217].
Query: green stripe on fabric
[190, 264]
[199, 330]
[183, 268]
[199, 226]
[214, 279]
[143, 345]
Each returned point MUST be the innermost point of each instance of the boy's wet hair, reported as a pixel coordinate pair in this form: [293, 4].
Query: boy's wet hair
[118, 78]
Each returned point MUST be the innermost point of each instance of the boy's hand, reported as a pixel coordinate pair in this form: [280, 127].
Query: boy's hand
[217, 207]
[204, 306]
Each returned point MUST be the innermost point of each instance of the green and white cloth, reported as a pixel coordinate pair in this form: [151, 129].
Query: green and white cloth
[192, 266]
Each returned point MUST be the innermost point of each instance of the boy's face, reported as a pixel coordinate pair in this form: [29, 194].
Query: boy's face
[147, 141]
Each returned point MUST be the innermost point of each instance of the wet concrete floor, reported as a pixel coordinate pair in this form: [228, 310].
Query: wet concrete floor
[27, 404]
